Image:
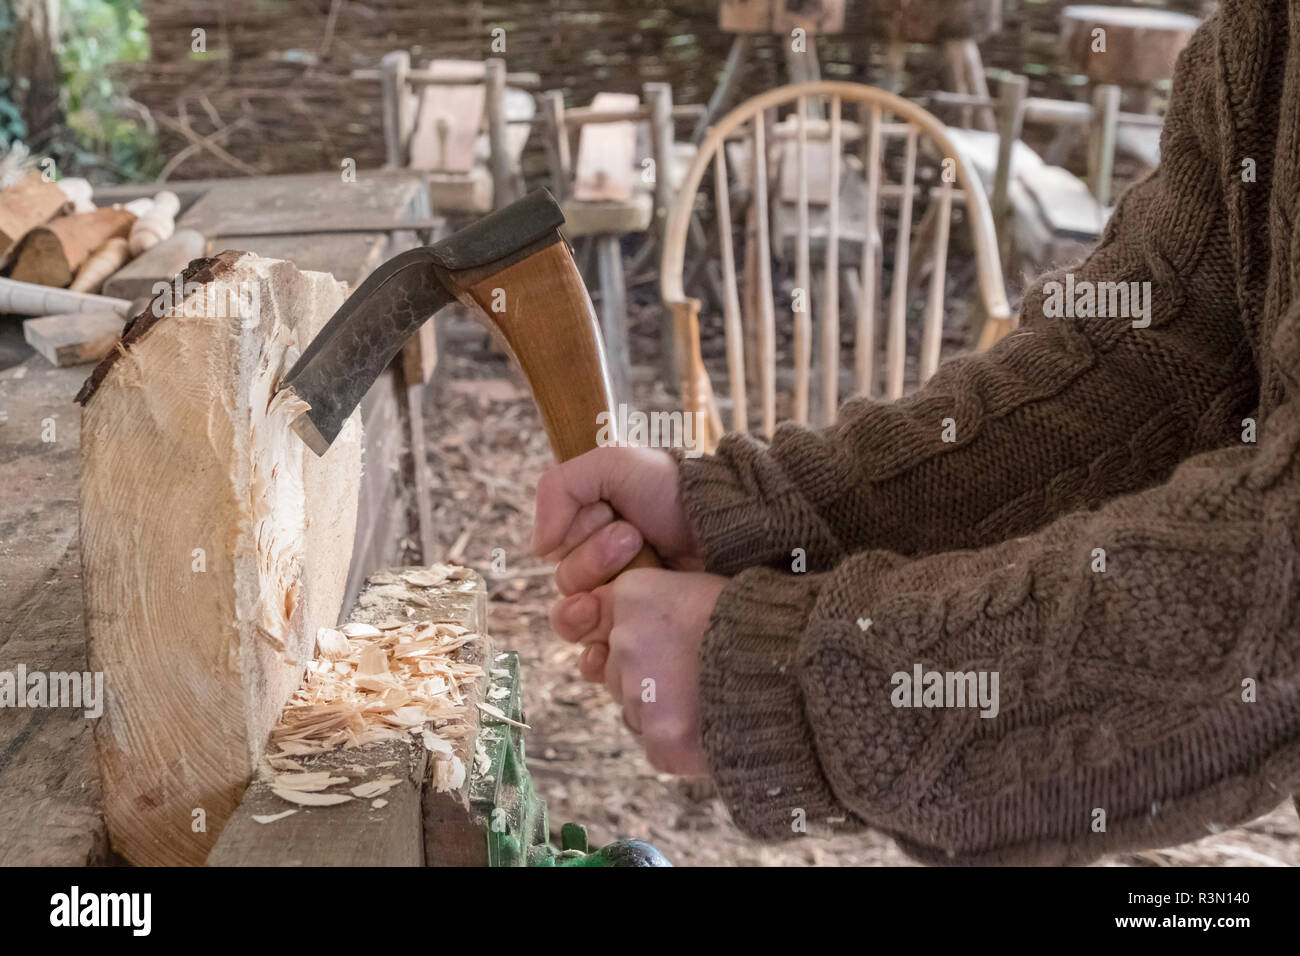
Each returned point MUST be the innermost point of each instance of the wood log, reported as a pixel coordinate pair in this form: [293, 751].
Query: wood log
[28, 203]
[103, 262]
[52, 254]
[157, 224]
[214, 544]
[1135, 47]
[159, 264]
[933, 21]
[74, 339]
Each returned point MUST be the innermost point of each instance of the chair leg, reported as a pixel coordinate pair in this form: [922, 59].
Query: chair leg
[613, 311]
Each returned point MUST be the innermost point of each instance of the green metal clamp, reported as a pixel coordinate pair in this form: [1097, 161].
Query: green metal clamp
[502, 794]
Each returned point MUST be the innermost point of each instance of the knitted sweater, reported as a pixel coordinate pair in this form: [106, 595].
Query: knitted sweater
[1103, 516]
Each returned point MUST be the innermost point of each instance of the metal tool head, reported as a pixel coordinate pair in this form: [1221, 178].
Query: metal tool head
[370, 328]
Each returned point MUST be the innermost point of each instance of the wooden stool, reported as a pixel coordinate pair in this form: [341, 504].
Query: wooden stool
[955, 27]
[1116, 47]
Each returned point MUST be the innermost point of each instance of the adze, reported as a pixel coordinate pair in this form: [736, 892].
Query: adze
[512, 268]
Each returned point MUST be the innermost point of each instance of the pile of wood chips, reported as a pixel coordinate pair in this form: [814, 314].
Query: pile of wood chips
[388, 681]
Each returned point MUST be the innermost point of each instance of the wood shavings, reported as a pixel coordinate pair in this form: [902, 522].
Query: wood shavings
[317, 780]
[389, 681]
[284, 763]
[379, 804]
[482, 762]
[500, 715]
[499, 693]
[272, 817]
[373, 788]
[448, 774]
[308, 799]
[331, 644]
[435, 744]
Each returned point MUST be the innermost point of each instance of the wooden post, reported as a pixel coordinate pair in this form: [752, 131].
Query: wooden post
[1101, 142]
[214, 544]
[494, 79]
[557, 143]
[659, 98]
[1011, 120]
[394, 68]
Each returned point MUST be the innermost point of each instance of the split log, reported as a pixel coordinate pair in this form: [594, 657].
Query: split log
[156, 224]
[28, 203]
[103, 262]
[74, 339]
[214, 545]
[160, 264]
[52, 254]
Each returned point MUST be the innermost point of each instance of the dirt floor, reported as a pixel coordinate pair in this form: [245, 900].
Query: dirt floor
[487, 450]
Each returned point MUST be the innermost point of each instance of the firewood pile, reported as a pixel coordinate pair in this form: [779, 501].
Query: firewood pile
[59, 252]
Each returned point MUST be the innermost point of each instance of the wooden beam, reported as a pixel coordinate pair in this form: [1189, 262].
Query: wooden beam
[214, 544]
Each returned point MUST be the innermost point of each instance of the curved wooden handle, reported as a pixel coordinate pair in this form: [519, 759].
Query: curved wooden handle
[539, 308]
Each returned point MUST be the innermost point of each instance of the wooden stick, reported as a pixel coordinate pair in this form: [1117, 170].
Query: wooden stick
[803, 273]
[865, 338]
[933, 335]
[767, 310]
[157, 224]
[27, 298]
[735, 334]
[831, 301]
[898, 300]
[102, 263]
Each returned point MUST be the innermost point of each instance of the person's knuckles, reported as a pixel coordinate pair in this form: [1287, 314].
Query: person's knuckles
[575, 616]
[597, 559]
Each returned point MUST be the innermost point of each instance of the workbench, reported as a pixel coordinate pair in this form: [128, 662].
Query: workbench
[49, 787]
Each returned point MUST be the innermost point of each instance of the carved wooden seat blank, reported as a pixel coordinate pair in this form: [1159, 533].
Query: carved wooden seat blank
[893, 136]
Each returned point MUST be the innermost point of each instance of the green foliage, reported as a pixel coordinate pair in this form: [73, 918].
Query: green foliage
[99, 36]
[12, 127]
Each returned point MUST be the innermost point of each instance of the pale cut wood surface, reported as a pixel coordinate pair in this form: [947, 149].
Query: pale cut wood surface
[181, 446]
[357, 833]
[735, 334]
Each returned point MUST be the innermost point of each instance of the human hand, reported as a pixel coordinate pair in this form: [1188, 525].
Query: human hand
[642, 633]
[595, 511]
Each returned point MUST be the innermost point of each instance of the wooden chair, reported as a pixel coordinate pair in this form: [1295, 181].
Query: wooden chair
[883, 119]
[462, 122]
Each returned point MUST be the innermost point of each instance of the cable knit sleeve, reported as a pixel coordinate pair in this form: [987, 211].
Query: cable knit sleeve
[1067, 412]
[1148, 674]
